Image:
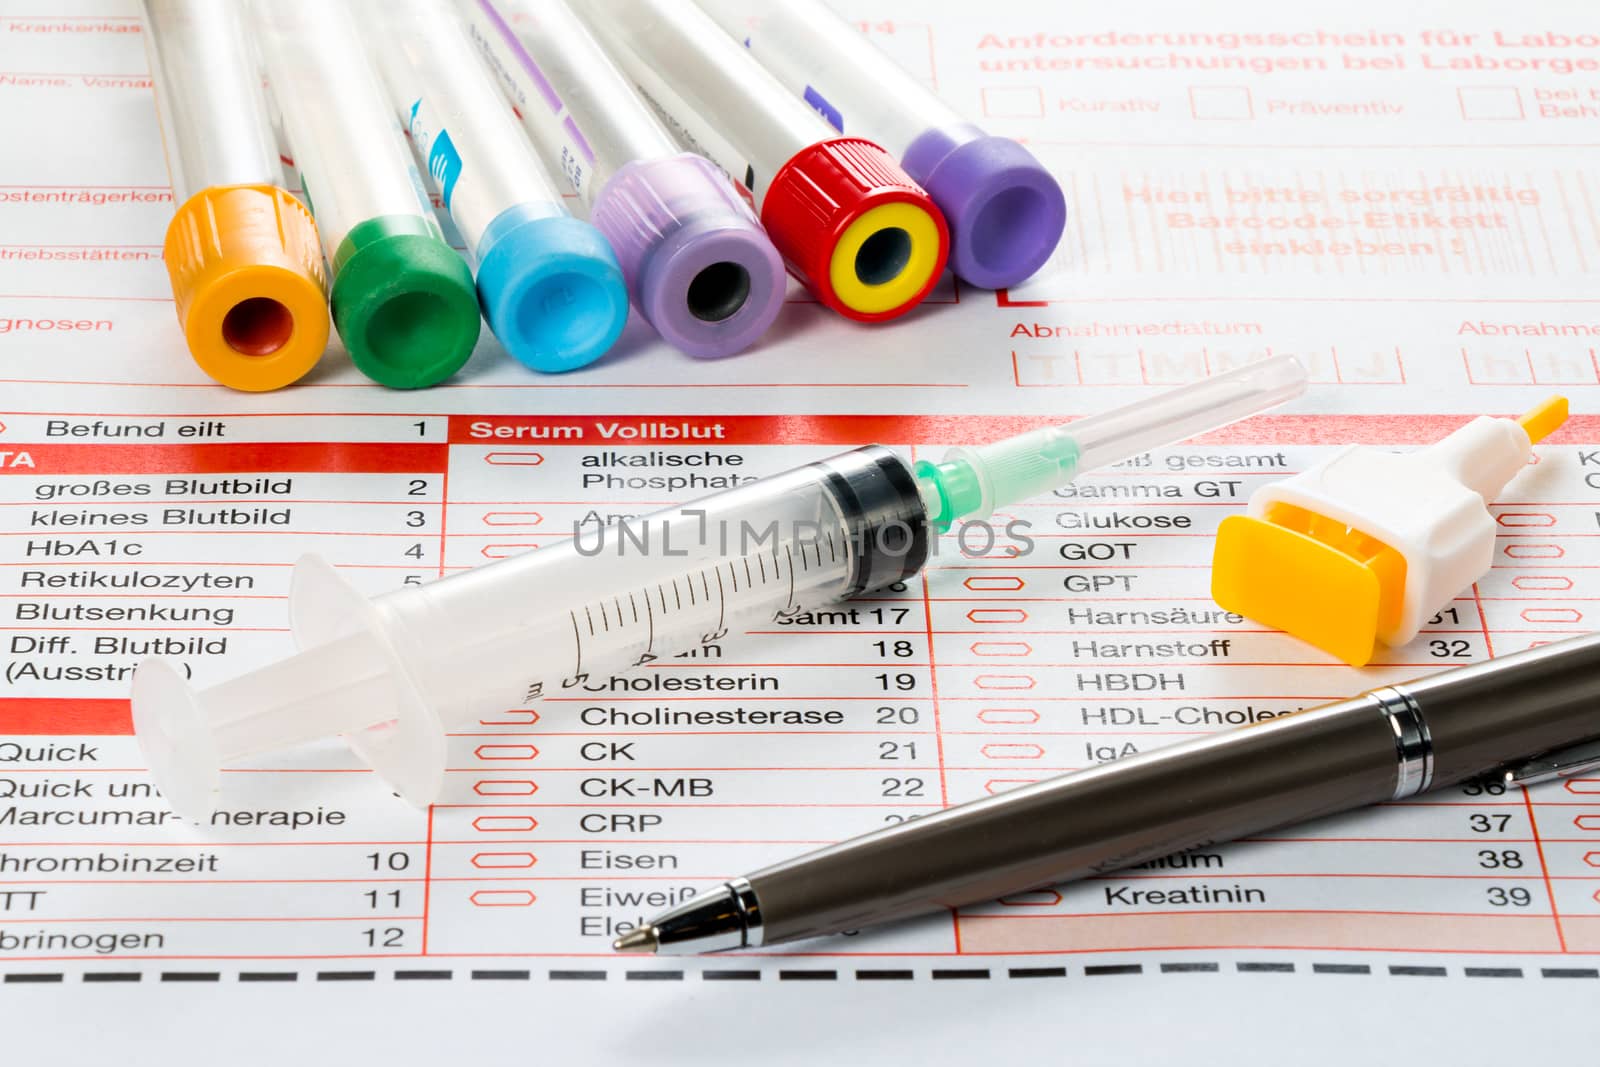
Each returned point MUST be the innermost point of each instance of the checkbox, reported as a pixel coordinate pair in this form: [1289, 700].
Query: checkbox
[1227, 102]
[1490, 103]
[1013, 102]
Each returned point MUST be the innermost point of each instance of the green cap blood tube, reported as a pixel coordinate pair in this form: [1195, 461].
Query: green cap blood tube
[403, 300]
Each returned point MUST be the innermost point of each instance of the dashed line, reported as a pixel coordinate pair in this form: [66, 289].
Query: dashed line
[577, 976]
[865, 974]
[501, 976]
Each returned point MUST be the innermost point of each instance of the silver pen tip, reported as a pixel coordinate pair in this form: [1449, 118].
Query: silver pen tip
[641, 940]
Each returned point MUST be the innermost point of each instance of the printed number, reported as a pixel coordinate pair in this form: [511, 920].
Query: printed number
[1454, 649]
[388, 937]
[389, 861]
[1488, 824]
[1495, 859]
[422, 428]
[898, 818]
[1501, 897]
[1447, 615]
[1483, 788]
[417, 487]
[897, 649]
[902, 787]
[894, 587]
[897, 750]
[414, 552]
[415, 519]
[378, 898]
[902, 682]
[412, 579]
[888, 716]
[896, 616]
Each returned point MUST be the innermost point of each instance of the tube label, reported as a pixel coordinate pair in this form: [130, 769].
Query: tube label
[468, 208]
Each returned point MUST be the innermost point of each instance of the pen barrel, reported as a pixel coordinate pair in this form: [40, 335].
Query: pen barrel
[1505, 709]
[1217, 788]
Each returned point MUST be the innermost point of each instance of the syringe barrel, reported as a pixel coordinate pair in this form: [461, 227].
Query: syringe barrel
[213, 112]
[577, 107]
[564, 620]
[458, 121]
[820, 57]
[346, 141]
[716, 98]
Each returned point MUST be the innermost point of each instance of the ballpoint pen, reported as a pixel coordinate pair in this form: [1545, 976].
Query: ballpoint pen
[1530, 716]
[403, 300]
[551, 287]
[241, 251]
[699, 267]
[1005, 210]
[850, 223]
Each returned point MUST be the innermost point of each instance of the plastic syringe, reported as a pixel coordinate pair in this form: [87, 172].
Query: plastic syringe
[551, 287]
[1005, 210]
[394, 673]
[241, 251]
[699, 267]
[850, 223]
[403, 300]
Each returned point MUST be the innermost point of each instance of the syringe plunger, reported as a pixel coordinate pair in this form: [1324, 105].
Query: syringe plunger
[187, 734]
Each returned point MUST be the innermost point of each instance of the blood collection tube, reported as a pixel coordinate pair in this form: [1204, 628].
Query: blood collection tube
[241, 251]
[550, 285]
[1005, 210]
[698, 265]
[403, 300]
[851, 224]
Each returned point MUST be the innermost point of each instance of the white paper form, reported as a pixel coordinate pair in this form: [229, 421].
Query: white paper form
[1407, 200]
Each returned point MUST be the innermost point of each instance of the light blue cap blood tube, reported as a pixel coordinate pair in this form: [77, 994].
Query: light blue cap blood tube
[550, 285]
[1005, 210]
[699, 266]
